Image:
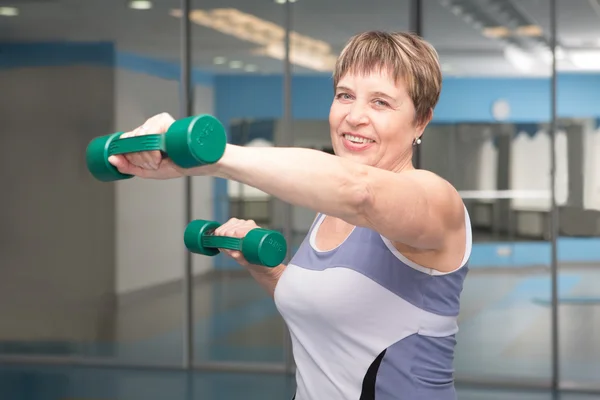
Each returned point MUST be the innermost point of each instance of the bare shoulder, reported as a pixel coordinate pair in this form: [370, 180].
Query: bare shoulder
[447, 217]
[442, 197]
[429, 179]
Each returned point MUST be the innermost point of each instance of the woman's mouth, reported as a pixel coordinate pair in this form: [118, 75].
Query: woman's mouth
[356, 143]
[357, 139]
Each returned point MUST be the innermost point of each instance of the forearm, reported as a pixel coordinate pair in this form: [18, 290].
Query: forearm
[302, 177]
[266, 277]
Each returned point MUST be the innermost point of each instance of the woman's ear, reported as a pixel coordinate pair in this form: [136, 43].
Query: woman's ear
[422, 124]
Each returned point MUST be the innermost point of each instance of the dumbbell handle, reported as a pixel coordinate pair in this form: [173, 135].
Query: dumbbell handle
[259, 246]
[137, 144]
[189, 142]
[222, 242]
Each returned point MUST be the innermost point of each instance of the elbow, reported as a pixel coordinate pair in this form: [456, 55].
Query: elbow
[360, 196]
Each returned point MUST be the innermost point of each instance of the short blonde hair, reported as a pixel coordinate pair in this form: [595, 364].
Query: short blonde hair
[405, 56]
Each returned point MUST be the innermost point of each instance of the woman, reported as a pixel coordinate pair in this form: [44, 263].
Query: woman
[372, 296]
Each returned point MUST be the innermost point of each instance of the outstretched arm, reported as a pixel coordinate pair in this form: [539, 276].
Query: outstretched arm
[415, 207]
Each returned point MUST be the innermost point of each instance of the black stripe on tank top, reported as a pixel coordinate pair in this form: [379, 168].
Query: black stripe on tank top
[368, 386]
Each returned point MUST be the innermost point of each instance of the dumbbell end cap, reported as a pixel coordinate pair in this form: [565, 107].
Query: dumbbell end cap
[197, 140]
[207, 139]
[264, 247]
[192, 237]
[96, 156]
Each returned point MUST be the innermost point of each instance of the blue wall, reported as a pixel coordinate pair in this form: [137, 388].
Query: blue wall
[462, 99]
[250, 96]
[102, 54]
[259, 96]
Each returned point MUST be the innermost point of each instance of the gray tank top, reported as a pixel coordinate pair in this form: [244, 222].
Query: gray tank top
[367, 323]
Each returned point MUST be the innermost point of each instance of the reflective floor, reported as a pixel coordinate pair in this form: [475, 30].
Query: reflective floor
[67, 383]
[504, 333]
[505, 326]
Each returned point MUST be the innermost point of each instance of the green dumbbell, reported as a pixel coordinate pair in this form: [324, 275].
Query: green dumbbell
[259, 246]
[189, 142]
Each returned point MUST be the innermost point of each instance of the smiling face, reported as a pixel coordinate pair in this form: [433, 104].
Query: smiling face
[386, 87]
[372, 120]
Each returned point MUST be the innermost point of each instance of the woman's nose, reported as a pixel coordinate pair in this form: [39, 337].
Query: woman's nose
[357, 115]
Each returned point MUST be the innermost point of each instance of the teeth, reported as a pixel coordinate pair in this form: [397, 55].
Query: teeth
[357, 139]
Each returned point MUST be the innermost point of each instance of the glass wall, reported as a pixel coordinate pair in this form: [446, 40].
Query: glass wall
[118, 293]
[150, 215]
[237, 51]
[491, 122]
[578, 113]
[78, 256]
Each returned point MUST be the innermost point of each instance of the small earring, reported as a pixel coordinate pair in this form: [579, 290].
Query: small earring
[417, 141]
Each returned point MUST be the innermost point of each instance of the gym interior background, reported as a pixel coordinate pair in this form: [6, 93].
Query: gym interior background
[99, 298]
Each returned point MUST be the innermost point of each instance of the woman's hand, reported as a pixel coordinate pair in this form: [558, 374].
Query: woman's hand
[148, 164]
[265, 276]
[237, 228]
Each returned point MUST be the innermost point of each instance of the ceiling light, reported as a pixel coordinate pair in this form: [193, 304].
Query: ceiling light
[235, 64]
[496, 32]
[585, 59]
[530, 30]
[546, 54]
[250, 68]
[9, 11]
[284, 1]
[456, 10]
[140, 4]
[560, 53]
[305, 51]
[219, 60]
[305, 59]
[518, 58]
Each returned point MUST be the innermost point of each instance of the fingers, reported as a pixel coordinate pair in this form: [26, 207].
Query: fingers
[231, 228]
[118, 161]
[160, 122]
[237, 256]
[149, 160]
[143, 159]
[237, 228]
[125, 167]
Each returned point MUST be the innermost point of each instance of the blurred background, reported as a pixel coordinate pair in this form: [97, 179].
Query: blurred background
[99, 299]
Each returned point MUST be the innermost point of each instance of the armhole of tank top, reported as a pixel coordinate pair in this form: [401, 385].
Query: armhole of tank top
[312, 234]
[431, 271]
[316, 221]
